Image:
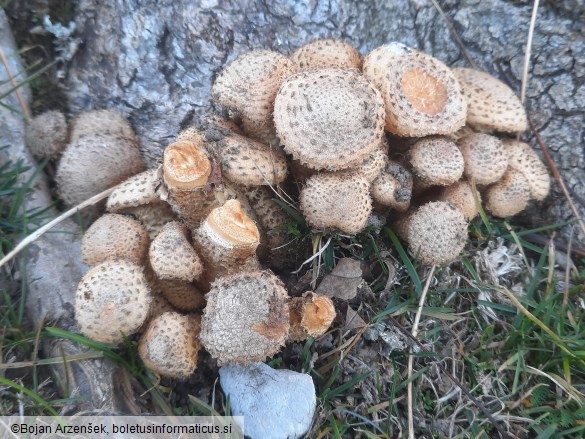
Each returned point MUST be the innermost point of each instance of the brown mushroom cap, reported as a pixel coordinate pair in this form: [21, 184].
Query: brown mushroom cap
[183, 295]
[114, 236]
[375, 162]
[104, 122]
[509, 196]
[491, 104]
[461, 195]
[421, 95]
[135, 191]
[153, 216]
[186, 166]
[170, 346]
[94, 163]
[248, 85]
[250, 163]
[485, 157]
[246, 318]
[112, 301]
[46, 135]
[326, 53]
[393, 187]
[330, 118]
[524, 159]
[339, 200]
[437, 160]
[310, 316]
[172, 256]
[436, 233]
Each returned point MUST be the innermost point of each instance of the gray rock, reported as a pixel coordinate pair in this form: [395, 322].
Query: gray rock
[156, 63]
[275, 403]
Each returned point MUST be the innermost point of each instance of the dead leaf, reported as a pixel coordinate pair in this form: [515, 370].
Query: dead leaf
[353, 320]
[343, 281]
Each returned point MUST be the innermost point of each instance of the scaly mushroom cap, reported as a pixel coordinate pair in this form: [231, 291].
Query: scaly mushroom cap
[491, 104]
[170, 346]
[421, 94]
[437, 160]
[310, 316]
[112, 301]
[375, 162]
[138, 190]
[104, 122]
[192, 135]
[461, 195]
[326, 53]
[172, 256]
[524, 159]
[94, 163]
[114, 236]
[248, 85]
[153, 216]
[330, 118]
[246, 318]
[393, 187]
[339, 200]
[436, 233]
[46, 135]
[485, 157]
[509, 196]
[183, 295]
[220, 122]
[250, 163]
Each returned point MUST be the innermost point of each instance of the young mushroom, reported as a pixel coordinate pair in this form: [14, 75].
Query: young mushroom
[436, 232]
[325, 53]
[330, 118]
[485, 158]
[508, 196]
[105, 122]
[340, 200]
[112, 301]
[461, 195]
[421, 94]
[170, 345]
[522, 158]
[310, 316]
[47, 135]
[437, 160]
[491, 104]
[393, 187]
[246, 318]
[114, 236]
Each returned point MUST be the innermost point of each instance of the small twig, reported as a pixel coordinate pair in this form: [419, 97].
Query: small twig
[556, 175]
[410, 357]
[568, 269]
[528, 51]
[44, 229]
[21, 101]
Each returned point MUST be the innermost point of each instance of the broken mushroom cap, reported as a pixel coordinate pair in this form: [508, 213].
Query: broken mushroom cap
[326, 53]
[461, 195]
[137, 190]
[339, 200]
[485, 158]
[94, 163]
[170, 345]
[310, 316]
[225, 240]
[186, 172]
[46, 135]
[509, 196]
[522, 158]
[330, 118]
[437, 160]
[491, 104]
[172, 256]
[393, 187]
[250, 163]
[114, 236]
[421, 94]
[248, 86]
[104, 122]
[246, 318]
[112, 301]
[436, 233]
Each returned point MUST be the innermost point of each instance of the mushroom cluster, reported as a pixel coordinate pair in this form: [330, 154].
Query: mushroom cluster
[183, 252]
